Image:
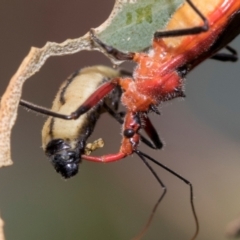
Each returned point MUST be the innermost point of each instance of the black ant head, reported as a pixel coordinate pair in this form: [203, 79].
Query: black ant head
[64, 159]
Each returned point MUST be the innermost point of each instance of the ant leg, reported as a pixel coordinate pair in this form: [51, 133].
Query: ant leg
[142, 156]
[187, 31]
[111, 50]
[97, 96]
[226, 57]
[149, 129]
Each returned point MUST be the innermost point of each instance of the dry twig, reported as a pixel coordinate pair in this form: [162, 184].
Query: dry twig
[30, 65]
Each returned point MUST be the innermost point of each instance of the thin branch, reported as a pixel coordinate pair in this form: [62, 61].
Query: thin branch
[30, 65]
[2, 237]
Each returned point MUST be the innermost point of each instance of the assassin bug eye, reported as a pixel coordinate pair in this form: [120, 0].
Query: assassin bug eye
[128, 133]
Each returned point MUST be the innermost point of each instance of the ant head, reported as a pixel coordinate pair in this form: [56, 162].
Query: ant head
[64, 159]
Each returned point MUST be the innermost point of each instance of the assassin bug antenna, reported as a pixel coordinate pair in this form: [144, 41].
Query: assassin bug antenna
[143, 157]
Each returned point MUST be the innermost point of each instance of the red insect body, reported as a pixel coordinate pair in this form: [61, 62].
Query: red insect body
[157, 77]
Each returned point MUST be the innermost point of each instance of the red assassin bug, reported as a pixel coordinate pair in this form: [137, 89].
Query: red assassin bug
[160, 72]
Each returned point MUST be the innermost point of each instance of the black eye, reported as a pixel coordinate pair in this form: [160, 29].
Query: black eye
[128, 133]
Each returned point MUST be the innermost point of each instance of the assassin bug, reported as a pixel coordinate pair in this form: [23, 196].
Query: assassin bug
[160, 72]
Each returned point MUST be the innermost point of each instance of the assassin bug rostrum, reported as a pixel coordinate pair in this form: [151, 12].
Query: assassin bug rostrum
[164, 67]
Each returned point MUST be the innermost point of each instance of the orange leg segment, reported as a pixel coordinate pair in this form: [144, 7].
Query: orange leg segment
[130, 141]
[97, 96]
[105, 158]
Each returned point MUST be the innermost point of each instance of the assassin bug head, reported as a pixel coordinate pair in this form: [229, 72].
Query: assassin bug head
[64, 159]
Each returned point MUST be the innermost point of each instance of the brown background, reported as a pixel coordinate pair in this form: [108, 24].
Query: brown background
[113, 201]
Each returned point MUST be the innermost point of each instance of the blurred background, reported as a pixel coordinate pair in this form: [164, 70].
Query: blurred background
[113, 201]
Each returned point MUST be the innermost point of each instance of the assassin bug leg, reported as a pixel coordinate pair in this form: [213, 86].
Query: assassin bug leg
[131, 138]
[143, 156]
[98, 95]
[188, 31]
[105, 158]
[226, 57]
[111, 50]
[151, 131]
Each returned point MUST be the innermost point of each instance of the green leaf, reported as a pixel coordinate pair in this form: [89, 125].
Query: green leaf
[132, 24]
